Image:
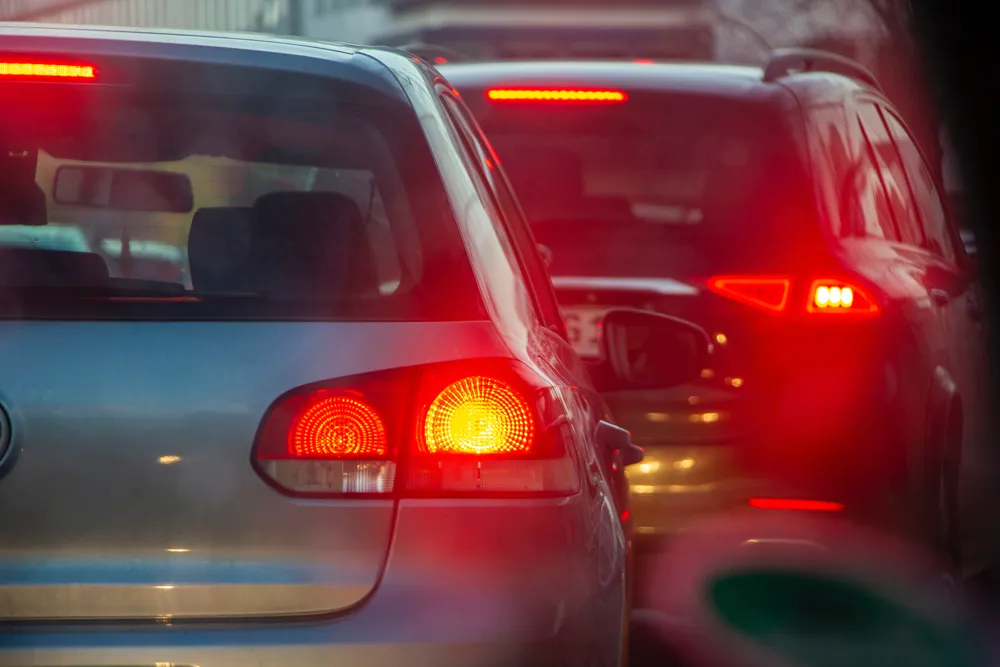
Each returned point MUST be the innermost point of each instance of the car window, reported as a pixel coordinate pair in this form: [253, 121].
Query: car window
[663, 184]
[322, 207]
[940, 238]
[513, 216]
[866, 208]
[892, 174]
[831, 157]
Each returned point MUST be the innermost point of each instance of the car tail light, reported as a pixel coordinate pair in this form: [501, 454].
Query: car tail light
[765, 292]
[771, 293]
[339, 427]
[555, 95]
[836, 297]
[795, 504]
[489, 427]
[478, 415]
[47, 71]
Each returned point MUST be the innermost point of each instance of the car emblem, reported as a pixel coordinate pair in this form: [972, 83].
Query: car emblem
[591, 297]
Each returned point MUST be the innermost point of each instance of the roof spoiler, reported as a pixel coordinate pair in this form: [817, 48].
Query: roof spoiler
[783, 62]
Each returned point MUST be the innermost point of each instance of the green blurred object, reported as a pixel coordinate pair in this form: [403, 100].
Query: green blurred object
[823, 621]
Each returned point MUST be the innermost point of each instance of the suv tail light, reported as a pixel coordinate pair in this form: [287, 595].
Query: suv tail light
[825, 296]
[766, 292]
[458, 428]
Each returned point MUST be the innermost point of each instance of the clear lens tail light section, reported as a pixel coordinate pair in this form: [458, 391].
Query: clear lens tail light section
[837, 297]
[489, 427]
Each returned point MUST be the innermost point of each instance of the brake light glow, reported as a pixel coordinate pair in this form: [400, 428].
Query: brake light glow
[555, 95]
[839, 297]
[796, 504]
[47, 70]
[478, 415]
[764, 292]
[466, 428]
[338, 427]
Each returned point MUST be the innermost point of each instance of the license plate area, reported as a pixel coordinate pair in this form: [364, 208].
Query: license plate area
[583, 325]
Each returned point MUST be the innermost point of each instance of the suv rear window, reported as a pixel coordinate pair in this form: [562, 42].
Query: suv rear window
[660, 184]
[308, 199]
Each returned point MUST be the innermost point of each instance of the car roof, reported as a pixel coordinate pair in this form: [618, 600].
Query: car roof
[682, 77]
[734, 81]
[231, 48]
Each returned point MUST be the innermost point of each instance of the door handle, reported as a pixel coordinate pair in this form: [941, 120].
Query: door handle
[940, 297]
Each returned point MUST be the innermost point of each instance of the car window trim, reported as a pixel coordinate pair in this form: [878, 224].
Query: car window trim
[876, 164]
[953, 236]
[472, 144]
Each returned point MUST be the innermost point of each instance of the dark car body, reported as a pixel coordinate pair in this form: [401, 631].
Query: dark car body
[728, 197]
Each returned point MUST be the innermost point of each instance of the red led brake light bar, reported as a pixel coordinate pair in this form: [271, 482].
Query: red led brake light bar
[555, 95]
[794, 504]
[47, 71]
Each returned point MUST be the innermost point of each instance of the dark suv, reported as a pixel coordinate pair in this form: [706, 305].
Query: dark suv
[788, 210]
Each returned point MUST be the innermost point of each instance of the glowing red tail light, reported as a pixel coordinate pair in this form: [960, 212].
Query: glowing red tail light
[837, 297]
[772, 293]
[458, 428]
[47, 71]
[794, 504]
[555, 95]
[338, 427]
[764, 292]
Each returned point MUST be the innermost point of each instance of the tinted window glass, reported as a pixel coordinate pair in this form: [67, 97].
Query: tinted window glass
[662, 184]
[323, 205]
[892, 174]
[831, 158]
[932, 212]
[866, 208]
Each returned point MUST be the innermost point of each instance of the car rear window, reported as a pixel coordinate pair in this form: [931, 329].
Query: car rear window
[658, 184]
[209, 192]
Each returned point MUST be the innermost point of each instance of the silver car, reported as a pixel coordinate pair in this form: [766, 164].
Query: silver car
[360, 437]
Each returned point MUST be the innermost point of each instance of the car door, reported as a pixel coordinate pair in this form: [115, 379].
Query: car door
[949, 278]
[886, 255]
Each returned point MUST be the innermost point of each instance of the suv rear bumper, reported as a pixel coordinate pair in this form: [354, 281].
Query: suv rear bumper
[797, 439]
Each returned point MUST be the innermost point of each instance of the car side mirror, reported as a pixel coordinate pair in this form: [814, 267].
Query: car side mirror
[646, 350]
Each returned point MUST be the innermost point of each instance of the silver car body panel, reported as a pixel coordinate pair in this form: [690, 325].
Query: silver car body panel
[132, 509]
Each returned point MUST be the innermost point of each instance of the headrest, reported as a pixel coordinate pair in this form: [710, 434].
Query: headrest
[49, 268]
[219, 250]
[311, 245]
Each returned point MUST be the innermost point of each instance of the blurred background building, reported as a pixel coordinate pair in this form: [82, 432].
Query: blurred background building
[730, 30]
[874, 32]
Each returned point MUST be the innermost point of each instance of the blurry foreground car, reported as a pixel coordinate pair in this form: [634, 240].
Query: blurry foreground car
[361, 437]
[788, 211]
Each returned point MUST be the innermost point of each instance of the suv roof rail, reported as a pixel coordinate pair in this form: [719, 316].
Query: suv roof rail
[783, 62]
[432, 53]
